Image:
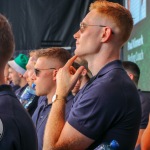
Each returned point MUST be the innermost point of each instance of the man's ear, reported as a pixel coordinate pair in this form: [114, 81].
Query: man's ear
[107, 32]
[54, 74]
[20, 75]
[131, 76]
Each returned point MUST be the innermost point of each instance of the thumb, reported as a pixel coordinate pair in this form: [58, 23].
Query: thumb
[77, 74]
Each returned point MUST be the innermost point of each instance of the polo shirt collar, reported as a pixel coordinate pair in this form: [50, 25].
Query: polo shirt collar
[116, 64]
[5, 87]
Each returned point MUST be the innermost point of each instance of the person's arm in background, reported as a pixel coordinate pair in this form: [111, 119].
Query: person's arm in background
[145, 105]
[145, 140]
[138, 142]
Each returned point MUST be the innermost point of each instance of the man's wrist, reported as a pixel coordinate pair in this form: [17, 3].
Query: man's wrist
[58, 97]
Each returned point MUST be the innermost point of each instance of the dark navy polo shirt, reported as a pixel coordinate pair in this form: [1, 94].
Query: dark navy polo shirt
[33, 105]
[39, 119]
[108, 108]
[41, 114]
[41, 99]
[145, 105]
[17, 131]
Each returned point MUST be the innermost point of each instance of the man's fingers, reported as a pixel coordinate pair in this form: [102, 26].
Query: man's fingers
[72, 70]
[78, 72]
[70, 61]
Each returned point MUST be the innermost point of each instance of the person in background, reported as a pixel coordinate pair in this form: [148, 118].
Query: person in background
[7, 78]
[108, 107]
[17, 131]
[46, 67]
[83, 79]
[33, 56]
[16, 71]
[133, 72]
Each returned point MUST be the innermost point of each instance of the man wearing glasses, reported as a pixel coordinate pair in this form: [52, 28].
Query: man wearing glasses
[108, 107]
[45, 70]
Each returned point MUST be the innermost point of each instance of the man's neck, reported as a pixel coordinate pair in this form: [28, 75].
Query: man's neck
[50, 95]
[97, 63]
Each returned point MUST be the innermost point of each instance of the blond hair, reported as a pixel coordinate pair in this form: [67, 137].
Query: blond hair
[61, 54]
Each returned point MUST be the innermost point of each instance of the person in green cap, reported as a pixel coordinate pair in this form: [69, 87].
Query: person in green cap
[16, 72]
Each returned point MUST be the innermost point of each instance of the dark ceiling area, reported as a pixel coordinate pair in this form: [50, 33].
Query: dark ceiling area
[117, 1]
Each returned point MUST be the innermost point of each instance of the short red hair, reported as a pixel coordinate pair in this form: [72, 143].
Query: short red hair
[119, 14]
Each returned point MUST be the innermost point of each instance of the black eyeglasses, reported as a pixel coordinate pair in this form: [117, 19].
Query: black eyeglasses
[84, 25]
[37, 71]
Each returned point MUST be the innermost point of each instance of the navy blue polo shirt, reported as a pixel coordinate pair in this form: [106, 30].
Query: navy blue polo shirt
[108, 108]
[41, 114]
[41, 100]
[145, 105]
[39, 118]
[33, 105]
[17, 131]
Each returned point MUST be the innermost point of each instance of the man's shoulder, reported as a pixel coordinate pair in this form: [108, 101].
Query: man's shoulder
[144, 93]
[144, 96]
[11, 108]
[7, 100]
[17, 131]
[5, 89]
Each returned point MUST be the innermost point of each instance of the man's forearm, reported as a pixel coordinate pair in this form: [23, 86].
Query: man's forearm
[55, 124]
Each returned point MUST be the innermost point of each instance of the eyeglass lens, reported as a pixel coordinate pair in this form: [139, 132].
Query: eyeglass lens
[36, 72]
